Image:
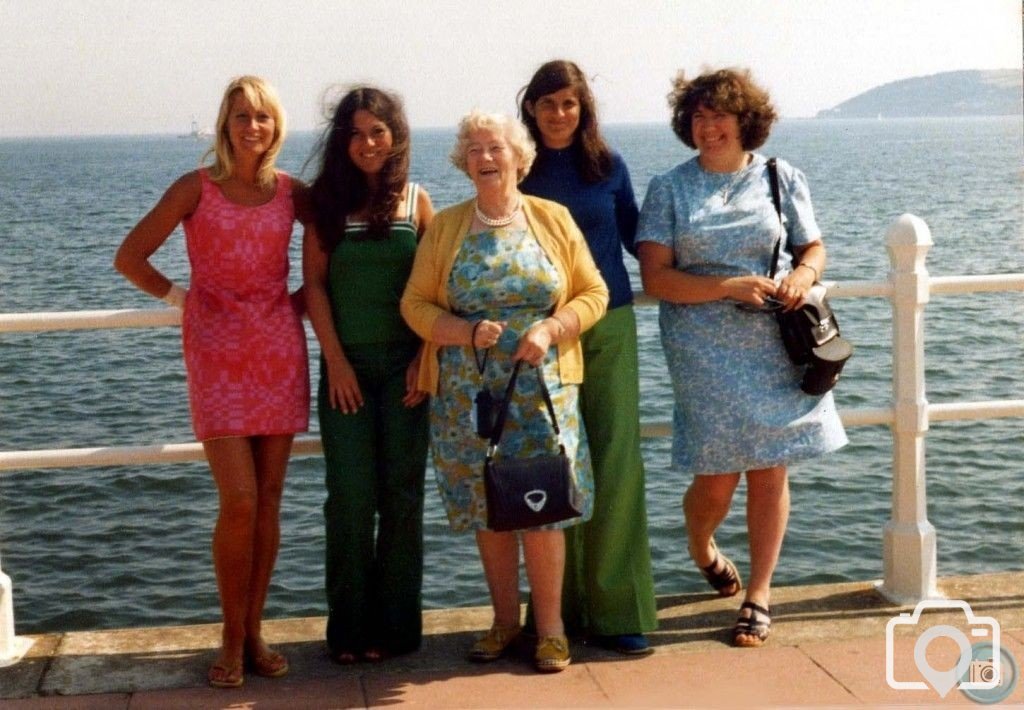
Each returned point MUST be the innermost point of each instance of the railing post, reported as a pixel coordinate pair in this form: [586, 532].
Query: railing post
[908, 552]
[12, 647]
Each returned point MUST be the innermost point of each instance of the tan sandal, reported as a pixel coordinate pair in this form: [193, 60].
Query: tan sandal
[221, 676]
[268, 665]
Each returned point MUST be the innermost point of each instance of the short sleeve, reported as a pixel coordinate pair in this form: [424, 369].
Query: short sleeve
[801, 227]
[657, 216]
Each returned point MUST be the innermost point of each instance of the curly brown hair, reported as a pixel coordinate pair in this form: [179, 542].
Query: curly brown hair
[729, 90]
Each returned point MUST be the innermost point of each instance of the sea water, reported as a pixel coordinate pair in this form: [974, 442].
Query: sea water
[130, 545]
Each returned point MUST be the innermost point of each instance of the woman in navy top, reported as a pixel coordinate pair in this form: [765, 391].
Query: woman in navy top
[609, 590]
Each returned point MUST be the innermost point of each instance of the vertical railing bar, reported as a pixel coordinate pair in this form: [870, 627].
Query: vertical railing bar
[12, 648]
[908, 539]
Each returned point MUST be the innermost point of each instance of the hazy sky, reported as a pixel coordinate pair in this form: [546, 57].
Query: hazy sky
[149, 66]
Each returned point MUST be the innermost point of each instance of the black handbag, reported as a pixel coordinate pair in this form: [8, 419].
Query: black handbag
[529, 492]
[811, 332]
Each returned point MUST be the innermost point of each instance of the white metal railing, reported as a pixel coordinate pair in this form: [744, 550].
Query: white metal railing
[909, 552]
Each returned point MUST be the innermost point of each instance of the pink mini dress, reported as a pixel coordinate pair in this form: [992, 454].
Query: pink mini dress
[244, 345]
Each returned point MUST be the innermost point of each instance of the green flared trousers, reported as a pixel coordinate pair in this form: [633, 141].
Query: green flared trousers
[376, 465]
[609, 588]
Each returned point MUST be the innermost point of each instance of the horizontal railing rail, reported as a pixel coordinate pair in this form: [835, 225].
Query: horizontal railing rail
[11, 461]
[40, 322]
[310, 445]
[909, 539]
[89, 320]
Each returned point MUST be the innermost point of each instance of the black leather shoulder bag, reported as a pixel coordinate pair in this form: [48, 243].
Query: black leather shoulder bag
[530, 492]
[811, 332]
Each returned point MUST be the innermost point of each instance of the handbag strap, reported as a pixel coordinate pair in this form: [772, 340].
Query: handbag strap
[773, 180]
[499, 425]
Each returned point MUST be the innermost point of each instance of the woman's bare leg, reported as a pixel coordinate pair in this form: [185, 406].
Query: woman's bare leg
[544, 552]
[499, 554]
[767, 517]
[232, 465]
[271, 454]
[705, 506]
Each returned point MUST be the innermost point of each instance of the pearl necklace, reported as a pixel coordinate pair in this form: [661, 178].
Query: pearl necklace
[502, 221]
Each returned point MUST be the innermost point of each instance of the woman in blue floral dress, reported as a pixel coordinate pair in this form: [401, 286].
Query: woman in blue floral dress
[499, 279]
[706, 235]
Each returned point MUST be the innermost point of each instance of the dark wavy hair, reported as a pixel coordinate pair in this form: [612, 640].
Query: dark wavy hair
[340, 188]
[729, 90]
[594, 157]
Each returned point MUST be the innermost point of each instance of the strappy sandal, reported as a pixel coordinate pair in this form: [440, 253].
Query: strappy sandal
[268, 665]
[726, 581]
[221, 676]
[752, 631]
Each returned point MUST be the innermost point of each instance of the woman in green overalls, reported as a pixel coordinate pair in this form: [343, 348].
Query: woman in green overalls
[357, 253]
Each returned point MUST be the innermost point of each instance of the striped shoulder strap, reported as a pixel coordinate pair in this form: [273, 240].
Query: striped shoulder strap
[410, 202]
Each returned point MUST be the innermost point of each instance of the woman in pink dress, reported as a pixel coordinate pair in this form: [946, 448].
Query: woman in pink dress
[244, 346]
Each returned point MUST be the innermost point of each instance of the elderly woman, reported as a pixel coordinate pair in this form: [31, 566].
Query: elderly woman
[705, 242]
[498, 279]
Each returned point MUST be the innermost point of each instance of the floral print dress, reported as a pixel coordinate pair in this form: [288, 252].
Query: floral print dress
[738, 403]
[504, 275]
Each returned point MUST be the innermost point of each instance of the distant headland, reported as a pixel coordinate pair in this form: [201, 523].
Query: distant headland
[998, 92]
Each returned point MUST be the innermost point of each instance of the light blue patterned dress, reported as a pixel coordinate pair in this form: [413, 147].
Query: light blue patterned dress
[738, 403]
[503, 275]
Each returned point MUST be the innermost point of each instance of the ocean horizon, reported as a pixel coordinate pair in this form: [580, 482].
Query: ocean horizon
[610, 126]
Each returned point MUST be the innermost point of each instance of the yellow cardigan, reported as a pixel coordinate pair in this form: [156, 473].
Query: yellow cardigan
[426, 293]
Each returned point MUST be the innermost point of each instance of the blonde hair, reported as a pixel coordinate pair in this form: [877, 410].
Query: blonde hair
[263, 97]
[514, 133]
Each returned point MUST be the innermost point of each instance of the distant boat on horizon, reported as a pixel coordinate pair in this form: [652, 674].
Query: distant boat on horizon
[197, 133]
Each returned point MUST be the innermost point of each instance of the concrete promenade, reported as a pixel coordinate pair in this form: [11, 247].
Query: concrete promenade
[827, 648]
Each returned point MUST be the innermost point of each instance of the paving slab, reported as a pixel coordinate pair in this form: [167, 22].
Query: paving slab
[486, 687]
[827, 648]
[860, 666]
[730, 677]
[99, 701]
[289, 693]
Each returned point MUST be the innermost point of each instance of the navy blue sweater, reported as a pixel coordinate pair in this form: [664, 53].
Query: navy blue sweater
[605, 212]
